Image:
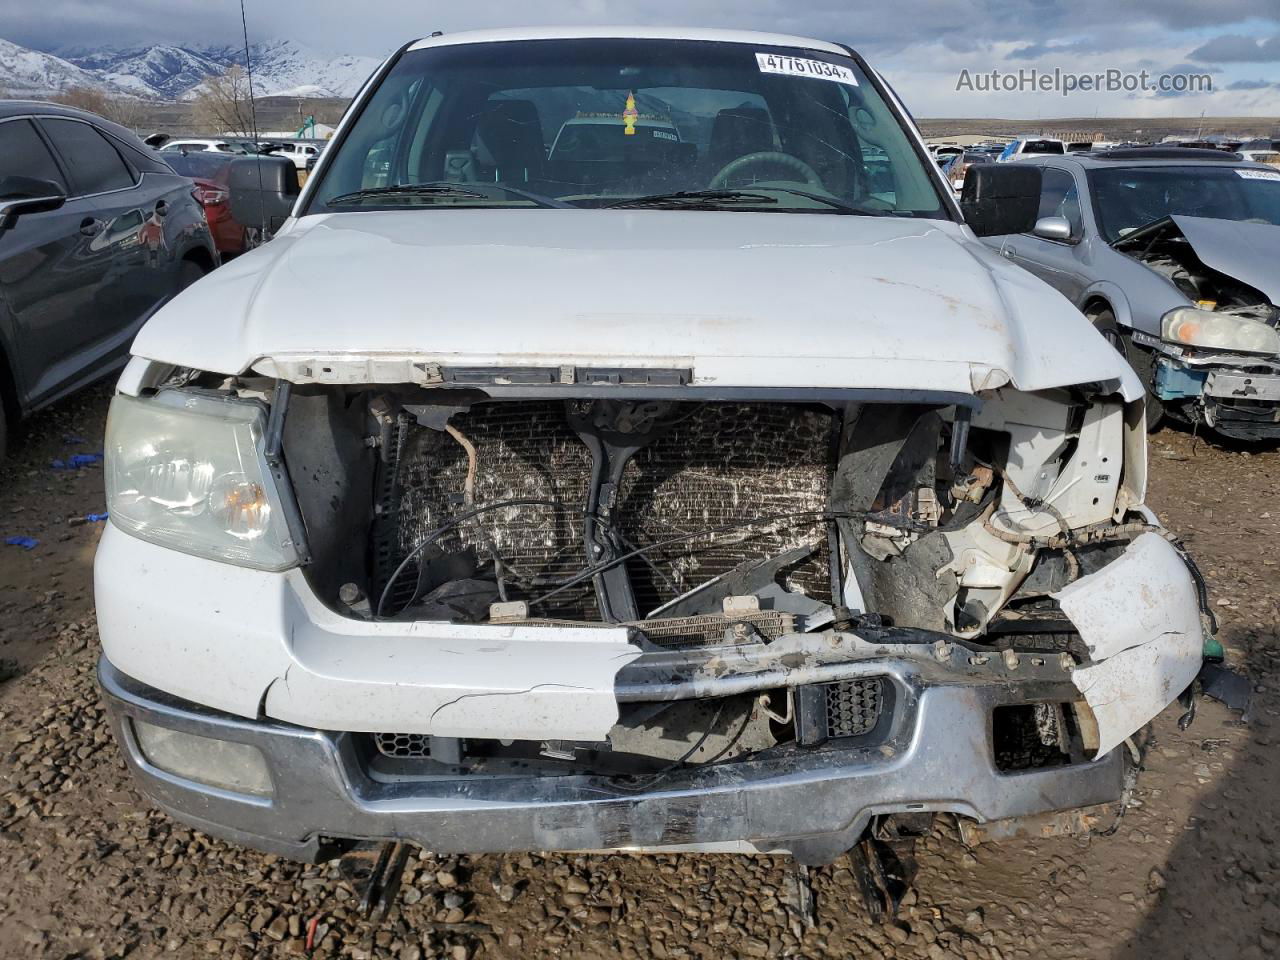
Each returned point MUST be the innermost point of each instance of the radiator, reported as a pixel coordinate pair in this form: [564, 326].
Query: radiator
[719, 463]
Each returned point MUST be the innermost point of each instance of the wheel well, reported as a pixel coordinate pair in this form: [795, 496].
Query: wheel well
[200, 256]
[1095, 306]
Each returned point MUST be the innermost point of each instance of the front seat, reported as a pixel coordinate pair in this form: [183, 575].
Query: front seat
[736, 132]
[508, 141]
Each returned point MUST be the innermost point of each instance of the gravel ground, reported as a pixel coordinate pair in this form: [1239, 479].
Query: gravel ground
[88, 869]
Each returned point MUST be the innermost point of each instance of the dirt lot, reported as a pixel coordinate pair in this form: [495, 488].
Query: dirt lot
[86, 869]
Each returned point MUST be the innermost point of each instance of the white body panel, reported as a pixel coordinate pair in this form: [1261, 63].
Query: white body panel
[1139, 618]
[249, 642]
[744, 299]
[639, 33]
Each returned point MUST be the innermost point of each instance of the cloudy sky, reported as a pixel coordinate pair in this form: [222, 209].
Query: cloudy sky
[922, 46]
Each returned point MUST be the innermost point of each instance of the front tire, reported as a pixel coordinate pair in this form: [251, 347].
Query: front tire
[1142, 362]
[189, 273]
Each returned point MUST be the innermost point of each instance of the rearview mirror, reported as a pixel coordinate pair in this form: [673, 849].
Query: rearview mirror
[1001, 199]
[263, 191]
[1053, 228]
[19, 195]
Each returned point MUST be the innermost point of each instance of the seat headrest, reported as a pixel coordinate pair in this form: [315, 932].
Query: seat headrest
[739, 131]
[509, 138]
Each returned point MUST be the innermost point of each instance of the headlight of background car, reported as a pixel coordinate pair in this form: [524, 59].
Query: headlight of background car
[1204, 328]
[187, 471]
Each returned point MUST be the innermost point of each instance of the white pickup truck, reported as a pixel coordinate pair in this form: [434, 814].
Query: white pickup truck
[721, 492]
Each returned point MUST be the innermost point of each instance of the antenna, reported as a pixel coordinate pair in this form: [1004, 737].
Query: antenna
[253, 123]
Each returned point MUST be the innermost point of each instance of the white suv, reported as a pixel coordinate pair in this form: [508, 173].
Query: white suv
[191, 145]
[717, 491]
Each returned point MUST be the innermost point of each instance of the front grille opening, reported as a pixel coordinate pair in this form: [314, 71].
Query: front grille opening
[524, 450]
[725, 462]
[1034, 736]
[648, 738]
[713, 465]
[842, 708]
[403, 746]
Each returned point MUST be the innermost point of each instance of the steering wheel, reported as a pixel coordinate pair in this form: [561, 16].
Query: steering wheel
[734, 168]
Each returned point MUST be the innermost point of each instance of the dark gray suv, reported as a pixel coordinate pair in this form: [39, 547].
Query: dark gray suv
[95, 234]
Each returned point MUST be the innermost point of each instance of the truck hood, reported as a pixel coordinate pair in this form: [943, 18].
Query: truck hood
[741, 299]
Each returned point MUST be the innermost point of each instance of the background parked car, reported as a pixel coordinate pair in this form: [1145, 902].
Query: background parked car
[192, 145]
[95, 234]
[1031, 147]
[298, 151]
[1171, 251]
[1261, 151]
[956, 165]
[211, 173]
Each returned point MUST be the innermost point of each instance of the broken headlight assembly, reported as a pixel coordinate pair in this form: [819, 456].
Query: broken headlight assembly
[1193, 327]
[188, 471]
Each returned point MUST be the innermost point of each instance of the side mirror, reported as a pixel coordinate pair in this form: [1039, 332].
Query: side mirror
[263, 190]
[1053, 228]
[19, 195]
[999, 199]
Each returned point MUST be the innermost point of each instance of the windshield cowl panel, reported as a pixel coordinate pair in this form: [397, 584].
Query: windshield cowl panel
[602, 122]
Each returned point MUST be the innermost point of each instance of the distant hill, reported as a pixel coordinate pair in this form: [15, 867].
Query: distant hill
[166, 72]
[1106, 128]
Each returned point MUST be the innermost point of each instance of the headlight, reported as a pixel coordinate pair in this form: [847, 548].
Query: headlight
[187, 471]
[1204, 328]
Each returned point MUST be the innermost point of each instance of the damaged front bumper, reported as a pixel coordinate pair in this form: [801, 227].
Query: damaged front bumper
[311, 689]
[1238, 397]
[812, 803]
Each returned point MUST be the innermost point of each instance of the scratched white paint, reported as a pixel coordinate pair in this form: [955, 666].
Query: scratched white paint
[534, 684]
[242, 641]
[857, 309]
[1141, 621]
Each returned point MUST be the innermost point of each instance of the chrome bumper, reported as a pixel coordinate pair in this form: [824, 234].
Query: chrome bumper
[812, 803]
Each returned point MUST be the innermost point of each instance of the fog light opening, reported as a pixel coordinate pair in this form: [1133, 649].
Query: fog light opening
[225, 764]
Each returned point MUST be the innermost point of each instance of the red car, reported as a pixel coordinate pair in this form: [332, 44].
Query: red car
[210, 172]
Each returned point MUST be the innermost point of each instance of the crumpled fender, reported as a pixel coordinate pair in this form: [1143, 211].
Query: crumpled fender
[1140, 619]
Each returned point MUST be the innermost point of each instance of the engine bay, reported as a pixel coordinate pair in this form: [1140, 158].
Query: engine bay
[448, 505]
[1163, 247]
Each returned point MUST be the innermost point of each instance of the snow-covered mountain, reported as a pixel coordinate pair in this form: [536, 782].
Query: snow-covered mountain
[26, 72]
[161, 71]
[283, 67]
[172, 72]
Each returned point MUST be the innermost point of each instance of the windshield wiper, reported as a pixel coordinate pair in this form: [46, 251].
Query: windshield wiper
[407, 190]
[712, 198]
[839, 205]
[444, 190]
[695, 198]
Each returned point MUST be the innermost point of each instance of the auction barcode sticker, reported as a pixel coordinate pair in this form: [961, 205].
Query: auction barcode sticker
[1251, 174]
[801, 67]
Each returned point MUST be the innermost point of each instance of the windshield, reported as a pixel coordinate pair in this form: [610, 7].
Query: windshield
[1128, 198]
[590, 123]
